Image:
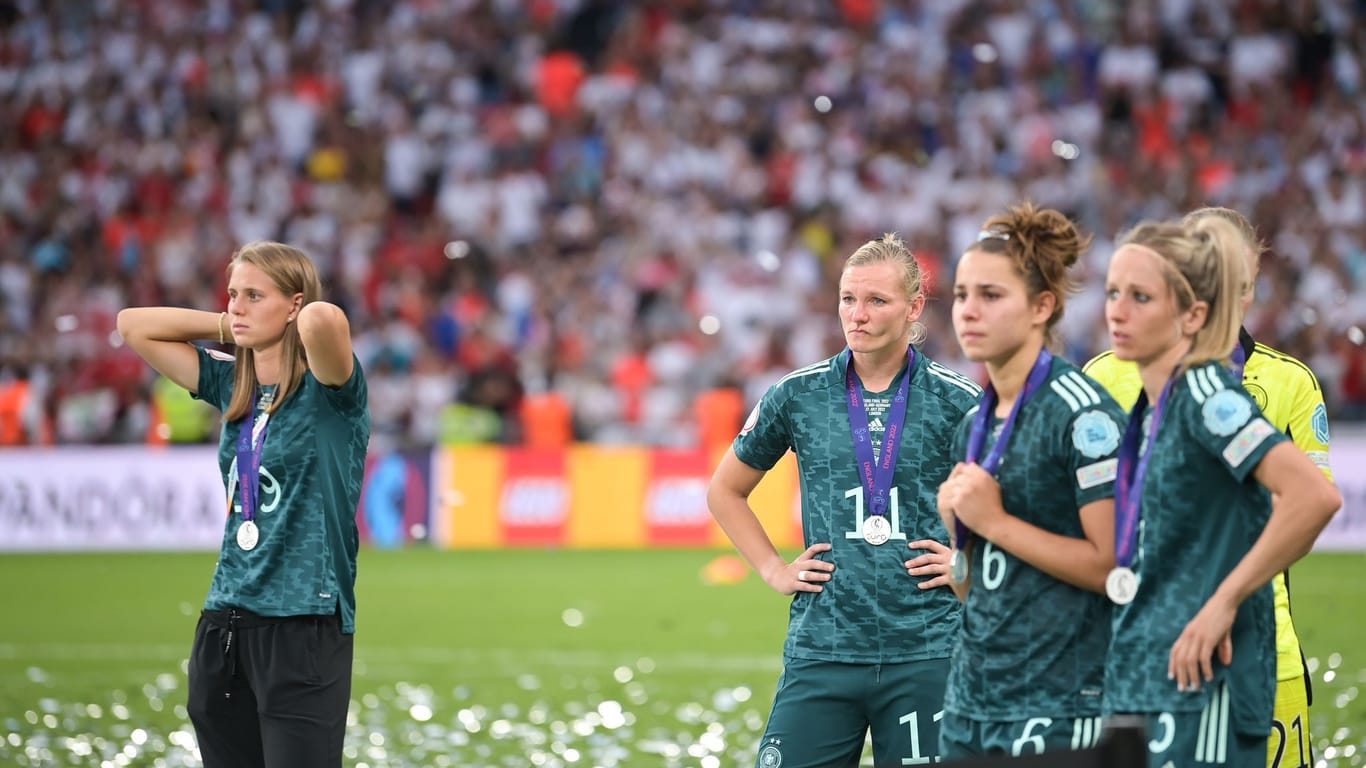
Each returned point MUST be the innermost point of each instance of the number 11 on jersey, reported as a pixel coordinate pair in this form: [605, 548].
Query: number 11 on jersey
[893, 514]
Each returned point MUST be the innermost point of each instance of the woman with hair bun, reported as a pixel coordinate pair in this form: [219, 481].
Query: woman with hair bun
[1030, 504]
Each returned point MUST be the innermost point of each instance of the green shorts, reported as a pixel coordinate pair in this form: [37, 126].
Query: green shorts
[824, 709]
[1207, 737]
[961, 737]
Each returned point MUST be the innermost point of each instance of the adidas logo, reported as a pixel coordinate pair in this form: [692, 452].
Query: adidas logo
[875, 424]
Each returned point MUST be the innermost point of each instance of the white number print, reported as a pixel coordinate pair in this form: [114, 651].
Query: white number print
[1028, 736]
[993, 567]
[913, 720]
[894, 514]
[1168, 725]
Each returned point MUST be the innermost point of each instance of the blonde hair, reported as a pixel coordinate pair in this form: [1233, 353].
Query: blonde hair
[891, 249]
[292, 272]
[1043, 244]
[1201, 261]
[1251, 240]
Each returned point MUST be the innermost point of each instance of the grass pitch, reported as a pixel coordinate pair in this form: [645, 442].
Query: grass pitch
[507, 658]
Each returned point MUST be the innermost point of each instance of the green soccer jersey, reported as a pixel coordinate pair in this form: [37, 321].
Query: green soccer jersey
[1031, 645]
[312, 464]
[1201, 511]
[870, 611]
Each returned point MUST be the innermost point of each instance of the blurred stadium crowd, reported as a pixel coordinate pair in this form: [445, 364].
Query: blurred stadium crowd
[580, 218]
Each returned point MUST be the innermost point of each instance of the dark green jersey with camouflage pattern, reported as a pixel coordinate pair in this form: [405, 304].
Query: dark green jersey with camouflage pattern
[312, 465]
[1033, 646]
[871, 611]
[1201, 512]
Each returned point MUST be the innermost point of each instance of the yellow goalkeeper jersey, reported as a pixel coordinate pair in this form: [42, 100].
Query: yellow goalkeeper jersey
[1290, 398]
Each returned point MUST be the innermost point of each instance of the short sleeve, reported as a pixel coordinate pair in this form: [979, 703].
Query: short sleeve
[1092, 451]
[350, 398]
[766, 435]
[215, 377]
[1308, 421]
[1230, 426]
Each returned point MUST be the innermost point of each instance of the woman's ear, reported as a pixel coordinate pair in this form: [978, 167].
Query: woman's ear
[917, 306]
[1045, 304]
[1193, 319]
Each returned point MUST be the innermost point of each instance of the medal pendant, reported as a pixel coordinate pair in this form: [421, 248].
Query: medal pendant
[1121, 586]
[958, 566]
[248, 535]
[876, 530]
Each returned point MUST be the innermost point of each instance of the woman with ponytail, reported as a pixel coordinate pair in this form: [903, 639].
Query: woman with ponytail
[1212, 502]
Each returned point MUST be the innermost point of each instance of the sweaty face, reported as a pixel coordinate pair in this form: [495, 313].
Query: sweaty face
[257, 309]
[875, 311]
[992, 314]
[1140, 308]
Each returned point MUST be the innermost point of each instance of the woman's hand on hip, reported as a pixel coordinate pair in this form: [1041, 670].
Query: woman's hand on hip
[805, 574]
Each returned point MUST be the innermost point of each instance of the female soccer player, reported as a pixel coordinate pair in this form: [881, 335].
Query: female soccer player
[866, 649]
[1032, 503]
[270, 670]
[1197, 537]
[1290, 398]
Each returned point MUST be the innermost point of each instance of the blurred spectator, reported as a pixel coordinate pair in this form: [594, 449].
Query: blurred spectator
[618, 207]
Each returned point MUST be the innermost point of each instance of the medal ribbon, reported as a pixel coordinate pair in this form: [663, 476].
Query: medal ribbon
[1133, 467]
[877, 475]
[1239, 359]
[981, 423]
[251, 441]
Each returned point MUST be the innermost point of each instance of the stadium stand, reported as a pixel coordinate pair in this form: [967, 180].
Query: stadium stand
[626, 205]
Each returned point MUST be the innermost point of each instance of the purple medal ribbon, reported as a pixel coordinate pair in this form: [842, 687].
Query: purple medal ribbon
[980, 425]
[877, 475]
[249, 450]
[1133, 467]
[1239, 359]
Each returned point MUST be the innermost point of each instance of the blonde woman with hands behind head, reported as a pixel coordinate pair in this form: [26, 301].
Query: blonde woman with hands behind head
[270, 668]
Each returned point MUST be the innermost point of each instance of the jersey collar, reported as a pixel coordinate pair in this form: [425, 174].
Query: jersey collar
[1246, 341]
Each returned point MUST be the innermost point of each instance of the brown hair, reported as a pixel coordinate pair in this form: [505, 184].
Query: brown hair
[1043, 243]
[891, 249]
[1202, 260]
[292, 272]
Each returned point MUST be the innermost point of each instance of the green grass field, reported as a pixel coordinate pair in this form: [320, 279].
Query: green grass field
[509, 658]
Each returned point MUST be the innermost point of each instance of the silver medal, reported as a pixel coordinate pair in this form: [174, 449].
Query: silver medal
[1121, 586]
[876, 530]
[247, 535]
[959, 566]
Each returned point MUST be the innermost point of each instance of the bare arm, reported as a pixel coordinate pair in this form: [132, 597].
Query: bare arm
[160, 335]
[728, 500]
[975, 497]
[1083, 563]
[326, 336]
[1302, 503]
